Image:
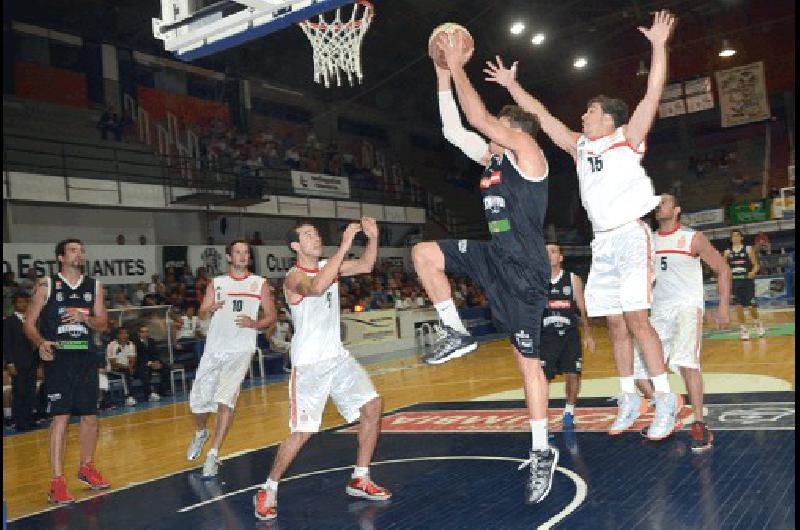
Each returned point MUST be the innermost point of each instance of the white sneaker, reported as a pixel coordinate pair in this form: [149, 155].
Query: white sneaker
[630, 407]
[155, 397]
[130, 401]
[744, 334]
[668, 405]
[211, 466]
[760, 331]
[196, 445]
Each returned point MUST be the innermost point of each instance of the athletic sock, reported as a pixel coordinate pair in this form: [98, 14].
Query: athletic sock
[627, 385]
[449, 315]
[538, 435]
[271, 485]
[569, 408]
[661, 383]
[213, 451]
[360, 472]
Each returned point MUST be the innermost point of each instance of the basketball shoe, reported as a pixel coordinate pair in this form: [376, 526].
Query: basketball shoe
[543, 466]
[265, 506]
[364, 487]
[701, 439]
[196, 445]
[630, 407]
[665, 420]
[449, 345]
[58, 493]
[90, 476]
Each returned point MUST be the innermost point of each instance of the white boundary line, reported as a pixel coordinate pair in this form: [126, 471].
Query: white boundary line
[580, 485]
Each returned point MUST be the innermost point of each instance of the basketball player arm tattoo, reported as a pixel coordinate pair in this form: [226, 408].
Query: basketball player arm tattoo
[642, 118]
[703, 248]
[559, 133]
[580, 301]
[366, 262]
[39, 298]
[469, 142]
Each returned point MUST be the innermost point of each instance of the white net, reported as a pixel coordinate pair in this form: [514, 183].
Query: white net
[337, 44]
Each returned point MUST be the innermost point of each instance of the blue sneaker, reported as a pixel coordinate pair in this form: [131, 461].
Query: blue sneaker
[568, 421]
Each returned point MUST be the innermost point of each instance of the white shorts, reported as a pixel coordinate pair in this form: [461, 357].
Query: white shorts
[680, 329]
[621, 275]
[341, 378]
[218, 380]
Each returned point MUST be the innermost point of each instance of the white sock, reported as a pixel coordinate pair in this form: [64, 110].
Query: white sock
[627, 385]
[449, 315]
[6, 412]
[538, 435]
[661, 383]
[212, 451]
[201, 432]
[360, 472]
[271, 485]
[569, 409]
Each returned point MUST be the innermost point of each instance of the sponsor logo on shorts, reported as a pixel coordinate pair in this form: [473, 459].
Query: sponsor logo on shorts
[53, 397]
[462, 246]
[523, 339]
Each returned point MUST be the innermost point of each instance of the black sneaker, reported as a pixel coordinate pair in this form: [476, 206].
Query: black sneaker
[701, 438]
[450, 344]
[543, 466]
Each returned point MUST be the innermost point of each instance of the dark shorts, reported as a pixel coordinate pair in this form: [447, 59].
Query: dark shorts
[71, 384]
[517, 294]
[744, 293]
[561, 354]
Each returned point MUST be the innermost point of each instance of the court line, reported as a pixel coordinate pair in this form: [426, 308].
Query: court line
[580, 485]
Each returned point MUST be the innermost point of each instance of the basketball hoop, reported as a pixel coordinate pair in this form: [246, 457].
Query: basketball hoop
[337, 44]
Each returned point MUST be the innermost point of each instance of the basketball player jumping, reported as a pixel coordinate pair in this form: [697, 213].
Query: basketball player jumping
[321, 366]
[513, 267]
[616, 192]
[677, 312]
[744, 265]
[67, 308]
[232, 302]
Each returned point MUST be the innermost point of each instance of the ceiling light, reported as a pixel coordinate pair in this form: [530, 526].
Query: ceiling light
[538, 39]
[642, 71]
[580, 62]
[727, 50]
[517, 28]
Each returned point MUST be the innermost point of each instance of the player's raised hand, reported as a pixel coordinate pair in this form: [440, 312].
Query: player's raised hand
[370, 227]
[453, 48]
[498, 73]
[350, 233]
[660, 31]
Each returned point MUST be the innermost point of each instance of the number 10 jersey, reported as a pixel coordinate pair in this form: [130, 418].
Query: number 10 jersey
[241, 296]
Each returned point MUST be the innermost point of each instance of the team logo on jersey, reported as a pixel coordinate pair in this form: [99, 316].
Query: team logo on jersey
[73, 296]
[462, 246]
[253, 286]
[567, 290]
[682, 241]
[493, 203]
[87, 297]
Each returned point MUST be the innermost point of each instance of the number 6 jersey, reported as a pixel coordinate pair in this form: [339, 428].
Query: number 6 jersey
[615, 188]
[242, 296]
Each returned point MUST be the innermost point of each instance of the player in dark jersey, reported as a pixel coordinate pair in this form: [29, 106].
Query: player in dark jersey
[561, 343]
[512, 267]
[61, 318]
[744, 266]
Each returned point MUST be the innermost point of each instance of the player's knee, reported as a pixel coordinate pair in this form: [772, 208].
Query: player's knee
[89, 421]
[423, 255]
[371, 410]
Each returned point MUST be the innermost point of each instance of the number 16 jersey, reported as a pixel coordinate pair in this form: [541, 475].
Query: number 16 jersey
[242, 296]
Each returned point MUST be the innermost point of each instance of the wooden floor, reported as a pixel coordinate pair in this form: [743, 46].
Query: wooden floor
[145, 445]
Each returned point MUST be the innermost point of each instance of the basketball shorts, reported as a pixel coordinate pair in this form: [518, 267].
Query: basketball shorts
[680, 329]
[218, 380]
[342, 378]
[561, 354]
[621, 274]
[517, 293]
[744, 293]
[71, 384]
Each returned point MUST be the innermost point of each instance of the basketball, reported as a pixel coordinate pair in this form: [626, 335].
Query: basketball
[435, 51]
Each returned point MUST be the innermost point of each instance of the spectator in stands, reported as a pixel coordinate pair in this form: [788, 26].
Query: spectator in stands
[156, 287]
[120, 239]
[142, 240]
[121, 359]
[762, 245]
[148, 363]
[256, 239]
[125, 128]
[10, 288]
[139, 293]
[21, 360]
[121, 300]
[186, 327]
[292, 158]
[280, 338]
[27, 282]
[109, 123]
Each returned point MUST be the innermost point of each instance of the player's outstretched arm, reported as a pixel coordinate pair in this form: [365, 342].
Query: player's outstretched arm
[642, 118]
[703, 248]
[366, 262]
[469, 142]
[473, 107]
[559, 133]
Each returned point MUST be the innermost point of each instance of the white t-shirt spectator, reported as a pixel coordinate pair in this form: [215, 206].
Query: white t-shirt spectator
[202, 326]
[120, 353]
[188, 327]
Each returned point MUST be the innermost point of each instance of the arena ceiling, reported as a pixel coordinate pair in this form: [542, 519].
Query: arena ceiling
[398, 75]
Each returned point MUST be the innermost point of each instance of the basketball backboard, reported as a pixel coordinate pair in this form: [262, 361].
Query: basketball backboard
[195, 28]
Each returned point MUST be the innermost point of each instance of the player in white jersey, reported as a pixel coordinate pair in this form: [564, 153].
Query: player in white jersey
[677, 312]
[321, 366]
[232, 302]
[616, 192]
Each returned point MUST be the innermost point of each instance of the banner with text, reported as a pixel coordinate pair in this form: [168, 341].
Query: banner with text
[369, 327]
[715, 217]
[111, 264]
[305, 183]
[175, 258]
[749, 212]
[742, 94]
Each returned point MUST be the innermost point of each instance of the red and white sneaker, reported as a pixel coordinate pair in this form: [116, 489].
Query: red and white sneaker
[92, 477]
[264, 510]
[364, 487]
[58, 493]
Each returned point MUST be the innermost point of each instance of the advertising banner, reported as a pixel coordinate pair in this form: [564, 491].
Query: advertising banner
[305, 183]
[369, 327]
[714, 217]
[176, 258]
[749, 212]
[742, 95]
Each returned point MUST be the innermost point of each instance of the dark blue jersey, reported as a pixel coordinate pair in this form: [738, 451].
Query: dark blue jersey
[70, 337]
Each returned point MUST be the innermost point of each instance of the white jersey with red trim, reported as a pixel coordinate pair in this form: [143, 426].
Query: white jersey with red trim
[615, 188]
[679, 273]
[317, 324]
[242, 296]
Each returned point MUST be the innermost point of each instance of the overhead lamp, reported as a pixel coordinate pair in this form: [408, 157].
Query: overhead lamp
[727, 49]
[642, 71]
[580, 62]
[537, 39]
[517, 28]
